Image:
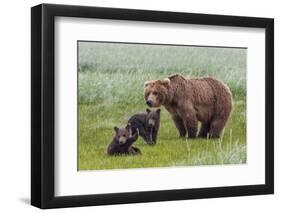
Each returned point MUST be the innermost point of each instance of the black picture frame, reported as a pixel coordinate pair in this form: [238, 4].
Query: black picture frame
[43, 102]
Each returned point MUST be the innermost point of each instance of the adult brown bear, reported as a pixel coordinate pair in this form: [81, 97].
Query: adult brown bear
[192, 100]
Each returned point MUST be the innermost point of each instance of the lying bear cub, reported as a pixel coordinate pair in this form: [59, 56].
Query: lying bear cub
[122, 142]
[148, 125]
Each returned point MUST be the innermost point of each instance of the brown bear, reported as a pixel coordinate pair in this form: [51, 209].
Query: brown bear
[122, 142]
[192, 100]
[148, 125]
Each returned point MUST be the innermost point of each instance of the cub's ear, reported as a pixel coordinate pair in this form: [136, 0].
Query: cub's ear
[166, 81]
[158, 111]
[148, 110]
[116, 129]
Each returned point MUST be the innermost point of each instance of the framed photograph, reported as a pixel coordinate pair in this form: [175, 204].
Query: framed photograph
[140, 106]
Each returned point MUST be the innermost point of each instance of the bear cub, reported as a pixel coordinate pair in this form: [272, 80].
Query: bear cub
[122, 142]
[148, 125]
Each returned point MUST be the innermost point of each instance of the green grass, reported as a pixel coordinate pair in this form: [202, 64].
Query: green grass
[111, 78]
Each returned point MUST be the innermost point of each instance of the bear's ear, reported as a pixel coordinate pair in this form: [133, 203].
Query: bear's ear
[148, 83]
[148, 110]
[116, 129]
[166, 81]
[158, 111]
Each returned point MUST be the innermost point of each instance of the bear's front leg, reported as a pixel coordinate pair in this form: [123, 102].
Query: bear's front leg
[190, 120]
[150, 136]
[180, 125]
[154, 135]
[146, 135]
[191, 124]
[143, 133]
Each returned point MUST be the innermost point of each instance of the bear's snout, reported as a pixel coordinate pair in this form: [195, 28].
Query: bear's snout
[122, 140]
[149, 103]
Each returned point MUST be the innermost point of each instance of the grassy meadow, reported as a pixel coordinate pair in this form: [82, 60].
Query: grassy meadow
[111, 78]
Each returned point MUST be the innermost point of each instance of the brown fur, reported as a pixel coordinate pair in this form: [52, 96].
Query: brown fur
[122, 142]
[190, 101]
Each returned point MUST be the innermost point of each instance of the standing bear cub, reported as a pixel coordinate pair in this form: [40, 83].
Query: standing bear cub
[148, 125]
[192, 100]
[122, 142]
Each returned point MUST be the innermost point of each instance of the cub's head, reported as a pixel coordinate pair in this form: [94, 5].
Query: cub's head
[153, 117]
[122, 134]
[156, 92]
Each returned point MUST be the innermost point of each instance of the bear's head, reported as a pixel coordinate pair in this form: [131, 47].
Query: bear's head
[153, 117]
[122, 134]
[156, 92]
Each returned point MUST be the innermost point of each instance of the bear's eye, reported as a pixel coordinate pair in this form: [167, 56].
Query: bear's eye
[124, 135]
[155, 93]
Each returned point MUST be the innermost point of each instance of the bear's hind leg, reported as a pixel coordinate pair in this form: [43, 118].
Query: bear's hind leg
[180, 125]
[204, 130]
[134, 151]
[216, 127]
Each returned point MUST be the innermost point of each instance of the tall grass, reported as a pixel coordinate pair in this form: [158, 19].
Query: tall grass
[111, 78]
[108, 71]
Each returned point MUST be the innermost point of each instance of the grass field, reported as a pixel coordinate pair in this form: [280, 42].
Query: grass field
[111, 78]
